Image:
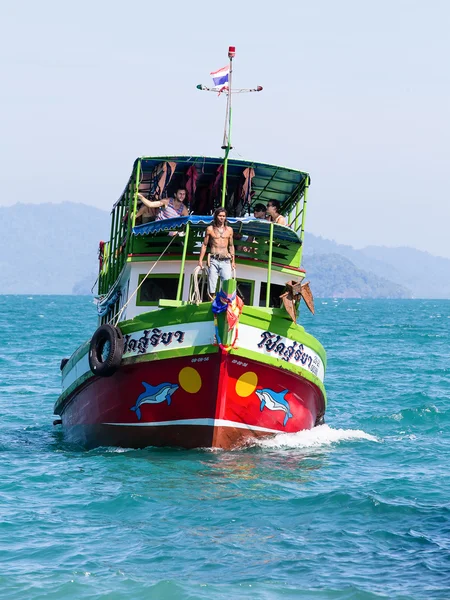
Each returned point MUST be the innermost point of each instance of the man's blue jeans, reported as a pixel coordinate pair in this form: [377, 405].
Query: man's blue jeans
[218, 268]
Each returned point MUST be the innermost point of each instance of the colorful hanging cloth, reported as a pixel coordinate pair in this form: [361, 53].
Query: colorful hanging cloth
[191, 183]
[160, 179]
[246, 190]
[216, 186]
[231, 303]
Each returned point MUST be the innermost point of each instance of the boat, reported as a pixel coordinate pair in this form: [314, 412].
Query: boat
[168, 365]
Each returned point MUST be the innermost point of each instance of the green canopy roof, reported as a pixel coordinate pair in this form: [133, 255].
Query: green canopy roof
[269, 183]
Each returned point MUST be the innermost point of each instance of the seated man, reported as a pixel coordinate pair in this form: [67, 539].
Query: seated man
[168, 207]
[221, 262]
[173, 207]
[259, 211]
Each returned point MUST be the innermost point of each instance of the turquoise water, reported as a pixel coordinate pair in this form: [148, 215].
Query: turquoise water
[356, 509]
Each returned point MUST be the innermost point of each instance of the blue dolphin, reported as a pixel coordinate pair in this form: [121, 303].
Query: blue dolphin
[275, 401]
[154, 395]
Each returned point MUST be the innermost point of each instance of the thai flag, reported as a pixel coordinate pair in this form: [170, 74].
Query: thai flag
[220, 78]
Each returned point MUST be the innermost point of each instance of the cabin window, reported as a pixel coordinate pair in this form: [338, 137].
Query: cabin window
[275, 293]
[245, 289]
[157, 287]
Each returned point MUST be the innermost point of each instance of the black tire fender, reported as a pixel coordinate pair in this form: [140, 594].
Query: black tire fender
[64, 362]
[106, 365]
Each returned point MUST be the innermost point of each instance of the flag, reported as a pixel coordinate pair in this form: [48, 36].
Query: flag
[220, 78]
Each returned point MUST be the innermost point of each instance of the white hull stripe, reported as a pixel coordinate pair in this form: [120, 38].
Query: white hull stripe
[209, 422]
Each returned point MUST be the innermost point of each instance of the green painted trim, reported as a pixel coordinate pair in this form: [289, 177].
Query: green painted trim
[194, 258]
[190, 313]
[269, 267]
[140, 302]
[298, 211]
[134, 195]
[164, 303]
[242, 162]
[111, 252]
[183, 260]
[116, 245]
[77, 356]
[302, 232]
[225, 173]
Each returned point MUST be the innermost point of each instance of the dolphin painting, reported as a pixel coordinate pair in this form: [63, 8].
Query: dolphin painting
[275, 401]
[154, 395]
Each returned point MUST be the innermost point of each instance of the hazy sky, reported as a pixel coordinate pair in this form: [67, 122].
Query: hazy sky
[357, 93]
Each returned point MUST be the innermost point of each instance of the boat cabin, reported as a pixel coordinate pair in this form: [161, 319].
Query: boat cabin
[150, 264]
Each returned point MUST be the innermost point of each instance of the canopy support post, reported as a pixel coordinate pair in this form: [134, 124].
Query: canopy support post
[269, 266]
[133, 204]
[183, 260]
[302, 232]
[298, 212]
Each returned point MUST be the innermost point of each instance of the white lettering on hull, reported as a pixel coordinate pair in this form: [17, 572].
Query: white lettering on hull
[187, 335]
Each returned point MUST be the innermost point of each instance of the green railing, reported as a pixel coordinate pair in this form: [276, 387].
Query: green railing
[122, 221]
[260, 252]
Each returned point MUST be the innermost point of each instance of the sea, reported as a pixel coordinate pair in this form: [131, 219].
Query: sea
[358, 508]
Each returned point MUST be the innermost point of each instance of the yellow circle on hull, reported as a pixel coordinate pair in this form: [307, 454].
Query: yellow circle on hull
[190, 380]
[246, 384]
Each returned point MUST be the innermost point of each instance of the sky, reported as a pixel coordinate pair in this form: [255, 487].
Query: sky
[355, 93]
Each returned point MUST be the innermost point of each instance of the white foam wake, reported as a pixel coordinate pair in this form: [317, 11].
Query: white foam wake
[323, 435]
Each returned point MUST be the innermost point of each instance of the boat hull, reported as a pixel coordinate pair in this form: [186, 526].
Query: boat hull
[216, 400]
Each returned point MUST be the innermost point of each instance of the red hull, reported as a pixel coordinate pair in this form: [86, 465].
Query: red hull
[217, 401]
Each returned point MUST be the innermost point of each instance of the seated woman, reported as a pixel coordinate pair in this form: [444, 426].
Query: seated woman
[273, 210]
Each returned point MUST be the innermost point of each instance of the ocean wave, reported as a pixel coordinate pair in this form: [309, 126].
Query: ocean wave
[424, 413]
[323, 435]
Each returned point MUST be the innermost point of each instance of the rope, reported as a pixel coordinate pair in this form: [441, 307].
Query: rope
[119, 314]
[196, 295]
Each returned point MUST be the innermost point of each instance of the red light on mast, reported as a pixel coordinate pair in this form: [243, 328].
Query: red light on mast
[231, 52]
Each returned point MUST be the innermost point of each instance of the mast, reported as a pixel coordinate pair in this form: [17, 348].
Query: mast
[226, 145]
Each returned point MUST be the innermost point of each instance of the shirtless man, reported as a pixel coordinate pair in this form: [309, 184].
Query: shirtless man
[220, 236]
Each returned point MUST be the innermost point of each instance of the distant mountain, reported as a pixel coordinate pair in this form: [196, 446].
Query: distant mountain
[425, 275]
[334, 276]
[52, 249]
[85, 286]
[47, 248]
